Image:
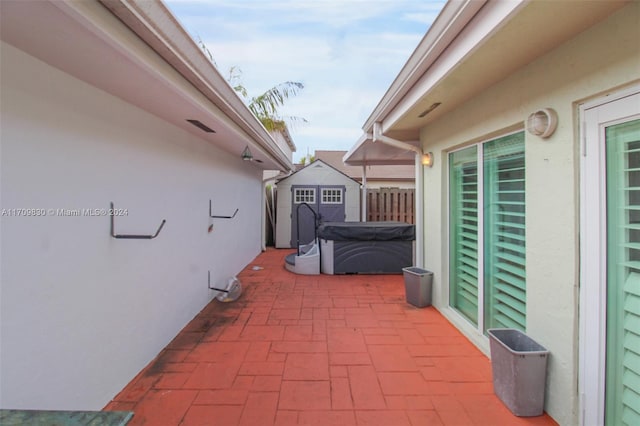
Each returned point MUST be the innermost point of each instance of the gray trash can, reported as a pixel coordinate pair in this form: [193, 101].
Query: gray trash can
[519, 367]
[417, 285]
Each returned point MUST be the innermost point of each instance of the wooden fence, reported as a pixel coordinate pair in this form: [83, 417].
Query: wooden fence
[390, 204]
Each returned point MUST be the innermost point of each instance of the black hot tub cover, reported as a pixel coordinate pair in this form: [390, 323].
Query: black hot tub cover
[367, 231]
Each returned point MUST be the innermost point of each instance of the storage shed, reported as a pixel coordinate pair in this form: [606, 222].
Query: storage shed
[332, 195]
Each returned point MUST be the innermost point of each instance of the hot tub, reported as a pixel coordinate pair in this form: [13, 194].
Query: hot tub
[366, 247]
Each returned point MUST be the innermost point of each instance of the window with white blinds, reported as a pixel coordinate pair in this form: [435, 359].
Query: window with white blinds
[487, 204]
[622, 390]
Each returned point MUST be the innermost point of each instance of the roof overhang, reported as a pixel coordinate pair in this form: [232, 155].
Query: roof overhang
[288, 139]
[471, 46]
[367, 153]
[136, 50]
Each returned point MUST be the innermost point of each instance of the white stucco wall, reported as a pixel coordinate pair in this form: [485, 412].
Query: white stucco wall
[314, 174]
[597, 61]
[82, 313]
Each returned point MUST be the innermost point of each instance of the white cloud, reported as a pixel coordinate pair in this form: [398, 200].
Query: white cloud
[332, 13]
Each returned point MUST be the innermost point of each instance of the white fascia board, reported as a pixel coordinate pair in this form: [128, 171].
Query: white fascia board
[448, 25]
[486, 22]
[289, 139]
[158, 27]
[370, 153]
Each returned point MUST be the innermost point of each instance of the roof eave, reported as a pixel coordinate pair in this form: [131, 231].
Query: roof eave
[358, 155]
[154, 23]
[433, 51]
[451, 20]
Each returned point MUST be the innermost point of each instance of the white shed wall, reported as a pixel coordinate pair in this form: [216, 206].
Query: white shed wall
[82, 313]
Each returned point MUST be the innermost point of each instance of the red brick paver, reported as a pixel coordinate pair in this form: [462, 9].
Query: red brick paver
[317, 350]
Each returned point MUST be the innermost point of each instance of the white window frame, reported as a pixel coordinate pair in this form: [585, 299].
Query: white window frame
[334, 191]
[309, 195]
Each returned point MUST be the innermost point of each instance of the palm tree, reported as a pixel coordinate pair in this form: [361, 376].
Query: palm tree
[266, 106]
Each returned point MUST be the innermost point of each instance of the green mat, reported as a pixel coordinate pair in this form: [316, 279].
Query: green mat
[64, 418]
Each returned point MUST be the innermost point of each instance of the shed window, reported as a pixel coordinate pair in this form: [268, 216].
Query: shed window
[304, 195]
[331, 196]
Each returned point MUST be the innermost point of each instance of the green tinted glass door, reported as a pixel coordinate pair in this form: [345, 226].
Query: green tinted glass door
[504, 233]
[623, 274]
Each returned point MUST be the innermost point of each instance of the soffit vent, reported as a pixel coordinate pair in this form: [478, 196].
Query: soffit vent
[201, 126]
[428, 110]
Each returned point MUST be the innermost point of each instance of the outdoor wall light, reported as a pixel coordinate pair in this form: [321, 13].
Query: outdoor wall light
[427, 159]
[542, 123]
[246, 154]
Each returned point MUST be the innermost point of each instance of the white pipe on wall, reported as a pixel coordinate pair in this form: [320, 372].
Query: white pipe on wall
[363, 209]
[379, 137]
[419, 209]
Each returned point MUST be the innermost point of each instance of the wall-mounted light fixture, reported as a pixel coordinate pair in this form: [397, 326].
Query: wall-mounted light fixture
[427, 159]
[542, 123]
[246, 154]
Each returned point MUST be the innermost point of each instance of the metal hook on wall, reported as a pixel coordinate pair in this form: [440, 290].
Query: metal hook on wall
[221, 217]
[130, 236]
[213, 288]
[232, 291]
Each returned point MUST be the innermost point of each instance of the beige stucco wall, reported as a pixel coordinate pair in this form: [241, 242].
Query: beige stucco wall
[596, 62]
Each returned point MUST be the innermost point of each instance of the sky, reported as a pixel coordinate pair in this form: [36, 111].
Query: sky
[345, 52]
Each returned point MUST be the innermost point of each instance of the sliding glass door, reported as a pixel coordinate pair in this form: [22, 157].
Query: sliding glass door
[487, 267]
[623, 274]
[610, 260]
[464, 274]
[504, 233]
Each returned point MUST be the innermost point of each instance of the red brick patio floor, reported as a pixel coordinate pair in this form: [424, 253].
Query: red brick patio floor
[317, 350]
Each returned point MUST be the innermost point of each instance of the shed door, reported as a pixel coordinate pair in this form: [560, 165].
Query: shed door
[610, 258]
[327, 202]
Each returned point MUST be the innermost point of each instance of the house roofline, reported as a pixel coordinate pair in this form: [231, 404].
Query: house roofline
[288, 139]
[446, 67]
[156, 25]
[449, 23]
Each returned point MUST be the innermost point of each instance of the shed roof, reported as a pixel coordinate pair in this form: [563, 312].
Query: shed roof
[310, 166]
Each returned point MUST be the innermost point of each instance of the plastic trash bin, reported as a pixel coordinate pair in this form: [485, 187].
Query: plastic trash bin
[417, 285]
[519, 367]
